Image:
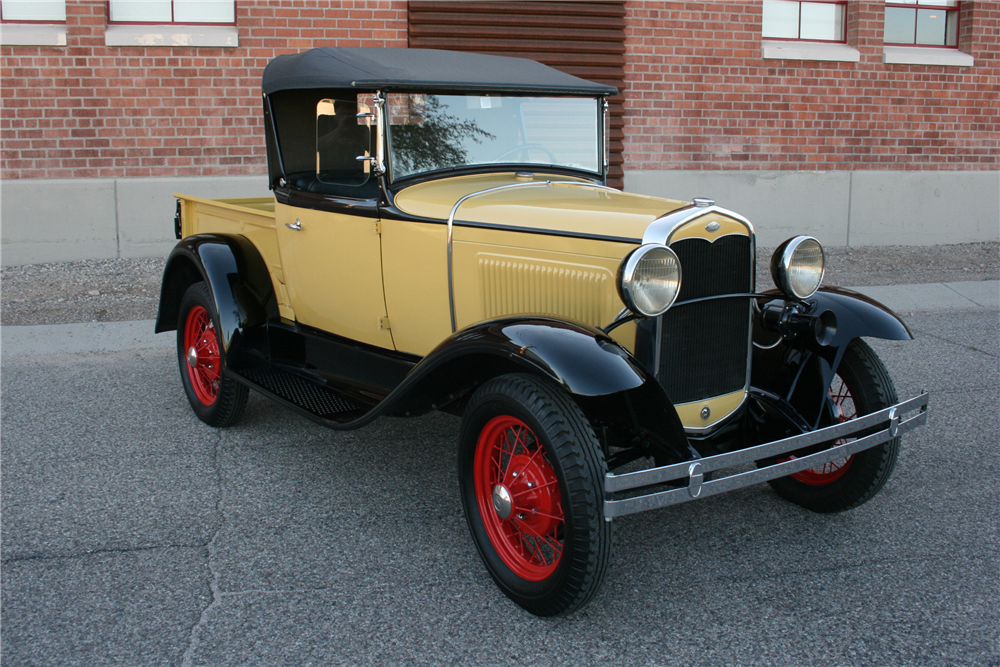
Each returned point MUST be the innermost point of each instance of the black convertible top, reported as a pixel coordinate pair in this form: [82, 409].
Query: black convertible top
[419, 69]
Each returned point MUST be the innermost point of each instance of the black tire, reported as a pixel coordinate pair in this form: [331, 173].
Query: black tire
[862, 383]
[555, 468]
[218, 400]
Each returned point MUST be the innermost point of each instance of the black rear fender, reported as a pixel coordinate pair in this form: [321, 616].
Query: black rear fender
[237, 277]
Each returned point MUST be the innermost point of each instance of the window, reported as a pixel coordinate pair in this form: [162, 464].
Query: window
[190, 12]
[33, 22]
[174, 23]
[921, 22]
[810, 21]
[343, 143]
[33, 11]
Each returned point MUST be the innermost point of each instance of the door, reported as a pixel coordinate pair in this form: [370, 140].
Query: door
[332, 263]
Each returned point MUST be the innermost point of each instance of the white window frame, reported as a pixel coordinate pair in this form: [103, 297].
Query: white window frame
[797, 48]
[30, 32]
[171, 34]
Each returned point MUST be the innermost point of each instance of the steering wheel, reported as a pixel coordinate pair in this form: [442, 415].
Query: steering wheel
[523, 149]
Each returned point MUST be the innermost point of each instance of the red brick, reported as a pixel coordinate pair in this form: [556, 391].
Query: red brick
[814, 115]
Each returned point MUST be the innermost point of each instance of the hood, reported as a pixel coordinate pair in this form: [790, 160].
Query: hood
[560, 208]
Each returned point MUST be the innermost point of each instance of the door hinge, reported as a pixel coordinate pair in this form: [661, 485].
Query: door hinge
[383, 324]
[378, 226]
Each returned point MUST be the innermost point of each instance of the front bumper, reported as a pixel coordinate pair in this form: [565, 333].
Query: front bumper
[888, 419]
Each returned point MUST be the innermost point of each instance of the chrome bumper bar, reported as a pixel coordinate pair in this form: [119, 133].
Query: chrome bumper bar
[694, 471]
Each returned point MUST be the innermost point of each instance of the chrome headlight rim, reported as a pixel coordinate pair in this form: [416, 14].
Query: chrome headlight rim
[626, 279]
[783, 261]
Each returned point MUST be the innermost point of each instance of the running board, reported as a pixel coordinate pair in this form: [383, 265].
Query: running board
[308, 398]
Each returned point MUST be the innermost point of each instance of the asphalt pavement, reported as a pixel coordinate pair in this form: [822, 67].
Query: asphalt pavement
[134, 534]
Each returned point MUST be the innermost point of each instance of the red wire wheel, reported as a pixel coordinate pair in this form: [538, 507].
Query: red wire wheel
[830, 472]
[531, 476]
[519, 499]
[861, 386]
[201, 345]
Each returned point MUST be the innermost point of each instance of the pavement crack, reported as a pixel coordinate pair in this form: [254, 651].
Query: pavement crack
[276, 591]
[983, 305]
[956, 343]
[194, 637]
[97, 552]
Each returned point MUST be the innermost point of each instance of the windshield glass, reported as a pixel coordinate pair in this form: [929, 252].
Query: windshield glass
[428, 132]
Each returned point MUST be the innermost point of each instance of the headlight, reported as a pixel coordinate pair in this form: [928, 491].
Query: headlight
[649, 279]
[797, 267]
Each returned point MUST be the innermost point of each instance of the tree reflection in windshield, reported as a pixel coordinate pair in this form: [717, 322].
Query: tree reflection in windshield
[430, 132]
[432, 138]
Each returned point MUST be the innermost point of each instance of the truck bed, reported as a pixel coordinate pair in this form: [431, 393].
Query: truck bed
[251, 217]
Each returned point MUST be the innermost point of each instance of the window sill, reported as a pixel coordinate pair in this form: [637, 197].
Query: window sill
[32, 34]
[171, 35]
[923, 55]
[829, 51]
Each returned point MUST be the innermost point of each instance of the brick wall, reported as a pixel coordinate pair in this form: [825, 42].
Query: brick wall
[699, 96]
[89, 110]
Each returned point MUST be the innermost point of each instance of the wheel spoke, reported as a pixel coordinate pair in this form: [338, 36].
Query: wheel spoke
[535, 512]
[535, 488]
[527, 528]
[532, 548]
[498, 462]
[551, 541]
[518, 434]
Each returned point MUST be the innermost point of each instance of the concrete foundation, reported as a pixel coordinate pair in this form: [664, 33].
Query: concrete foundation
[844, 208]
[60, 220]
[63, 220]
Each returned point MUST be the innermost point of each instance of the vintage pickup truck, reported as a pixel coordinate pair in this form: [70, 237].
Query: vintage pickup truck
[440, 237]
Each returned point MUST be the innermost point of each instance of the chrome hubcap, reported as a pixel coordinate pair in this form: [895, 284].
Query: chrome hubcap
[192, 357]
[502, 502]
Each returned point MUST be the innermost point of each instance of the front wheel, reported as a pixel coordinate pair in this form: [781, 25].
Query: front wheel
[531, 474]
[216, 399]
[862, 385]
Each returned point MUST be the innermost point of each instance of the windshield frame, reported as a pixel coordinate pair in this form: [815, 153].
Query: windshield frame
[601, 148]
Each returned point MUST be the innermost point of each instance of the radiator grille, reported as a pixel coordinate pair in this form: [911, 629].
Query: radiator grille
[512, 286]
[704, 345]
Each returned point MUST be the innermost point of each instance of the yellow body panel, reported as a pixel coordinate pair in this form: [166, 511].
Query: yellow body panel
[415, 270]
[415, 274]
[333, 273]
[719, 407]
[494, 282]
[697, 228]
[557, 209]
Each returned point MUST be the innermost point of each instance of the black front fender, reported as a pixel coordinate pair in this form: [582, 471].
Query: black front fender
[800, 367]
[601, 375]
[237, 277]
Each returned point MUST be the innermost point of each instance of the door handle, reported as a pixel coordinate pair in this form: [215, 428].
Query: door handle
[297, 226]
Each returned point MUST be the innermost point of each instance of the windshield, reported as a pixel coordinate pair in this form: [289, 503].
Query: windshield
[428, 132]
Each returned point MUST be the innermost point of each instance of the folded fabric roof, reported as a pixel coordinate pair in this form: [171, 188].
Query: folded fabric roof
[419, 70]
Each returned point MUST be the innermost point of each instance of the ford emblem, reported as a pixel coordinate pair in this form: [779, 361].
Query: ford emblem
[712, 227]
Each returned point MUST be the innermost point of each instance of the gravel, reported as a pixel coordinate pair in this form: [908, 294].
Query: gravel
[111, 290]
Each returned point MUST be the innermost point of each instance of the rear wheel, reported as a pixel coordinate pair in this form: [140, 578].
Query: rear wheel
[862, 385]
[531, 474]
[216, 399]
